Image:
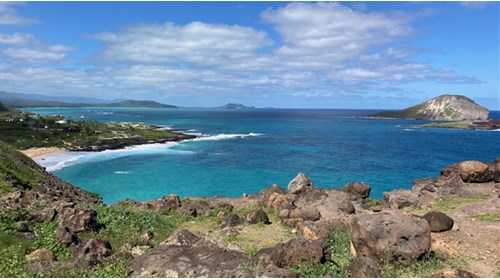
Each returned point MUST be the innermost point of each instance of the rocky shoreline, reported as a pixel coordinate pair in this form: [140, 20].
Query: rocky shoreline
[278, 232]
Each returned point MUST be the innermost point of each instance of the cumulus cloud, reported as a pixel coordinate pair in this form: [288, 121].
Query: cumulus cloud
[16, 38]
[9, 16]
[33, 55]
[196, 42]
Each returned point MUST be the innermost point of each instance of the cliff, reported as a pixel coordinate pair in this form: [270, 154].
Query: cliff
[442, 108]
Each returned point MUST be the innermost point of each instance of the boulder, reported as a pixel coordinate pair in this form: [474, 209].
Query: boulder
[301, 183]
[276, 200]
[169, 202]
[363, 267]
[93, 252]
[230, 220]
[201, 259]
[347, 207]
[76, 219]
[358, 190]
[454, 273]
[40, 255]
[471, 171]
[300, 251]
[306, 213]
[195, 209]
[438, 221]
[257, 216]
[275, 272]
[397, 238]
[181, 237]
[313, 230]
[22, 226]
[400, 198]
[145, 238]
[266, 193]
[496, 170]
[64, 235]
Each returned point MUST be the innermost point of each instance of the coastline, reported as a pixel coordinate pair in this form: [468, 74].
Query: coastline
[42, 153]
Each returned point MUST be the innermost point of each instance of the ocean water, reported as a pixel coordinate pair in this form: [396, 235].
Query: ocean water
[245, 151]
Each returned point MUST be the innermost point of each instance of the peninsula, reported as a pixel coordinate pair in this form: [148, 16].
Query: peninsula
[442, 108]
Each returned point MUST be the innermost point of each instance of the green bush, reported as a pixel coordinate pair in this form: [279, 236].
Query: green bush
[46, 239]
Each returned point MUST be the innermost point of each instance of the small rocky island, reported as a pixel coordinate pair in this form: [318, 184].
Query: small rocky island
[442, 108]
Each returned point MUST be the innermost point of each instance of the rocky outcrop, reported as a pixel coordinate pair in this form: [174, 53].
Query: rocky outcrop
[301, 183]
[94, 252]
[363, 267]
[454, 273]
[358, 190]
[400, 239]
[443, 108]
[300, 251]
[257, 216]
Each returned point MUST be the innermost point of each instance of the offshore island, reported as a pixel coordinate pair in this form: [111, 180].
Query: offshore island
[442, 227]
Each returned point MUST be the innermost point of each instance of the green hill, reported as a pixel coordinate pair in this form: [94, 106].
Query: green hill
[139, 103]
[3, 108]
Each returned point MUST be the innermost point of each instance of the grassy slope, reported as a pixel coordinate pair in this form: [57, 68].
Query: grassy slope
[408, 113]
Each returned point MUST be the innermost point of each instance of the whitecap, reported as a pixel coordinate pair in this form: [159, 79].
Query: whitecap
[121, 172]
[226, 136]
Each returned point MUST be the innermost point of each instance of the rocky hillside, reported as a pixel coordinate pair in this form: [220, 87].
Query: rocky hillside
[443, 108]
[441, 227]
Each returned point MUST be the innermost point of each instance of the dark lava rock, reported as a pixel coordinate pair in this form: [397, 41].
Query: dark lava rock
[64, 235]
[231, 220]
[454, 273]
[400, 198]
[182, 237]
[496, 170]
[358, 190]
[22, 226]
[195, 209]
[363, 267]
[266, 193]
[202, 259]
[257, 216]
[94, 251]
[275, 272]
[76, 219]
[300, 251]
[301, 183]
[347, 207]
[169, 202]
[470, 171]
[439, 221]
[306, 213]
[401, 238]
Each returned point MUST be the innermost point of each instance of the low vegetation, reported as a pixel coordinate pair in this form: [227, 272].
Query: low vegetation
[449, 204]
[457, 125]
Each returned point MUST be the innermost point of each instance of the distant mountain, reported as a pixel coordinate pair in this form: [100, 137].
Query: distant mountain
[136, 103]
[236, 106]
[22, 100]
[3, 108]
[18, 97]
[442, 108]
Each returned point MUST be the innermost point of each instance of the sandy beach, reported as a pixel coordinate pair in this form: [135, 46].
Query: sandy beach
[39, 153]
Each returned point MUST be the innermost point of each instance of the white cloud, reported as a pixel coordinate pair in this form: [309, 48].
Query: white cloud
[474, 5]
[32, 55]
[9, 16]
[16, 38]
[196, 42]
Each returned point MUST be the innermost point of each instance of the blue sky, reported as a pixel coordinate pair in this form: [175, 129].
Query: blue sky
[281, 54]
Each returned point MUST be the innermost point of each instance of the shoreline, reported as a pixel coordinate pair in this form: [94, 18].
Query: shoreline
[42, 153]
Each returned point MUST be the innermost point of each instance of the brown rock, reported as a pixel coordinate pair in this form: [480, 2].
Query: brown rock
[300, 251]
[64, 235]
[94, 251]
[275, 272]
[454, 273]
[347, 207]
[266, 193]
[169, 202]
[76, 219]
[496, 170]
[291, 222]
[401, 238]
[257, 216]
[307, 213]
[475, 172]
[40, 255]
[145, 238]
[195, 209]
[301, 183]
[444, 248]
[400, 198]
[277, 200]
[358, 190]
[231, 220]
[181, 237]
[363, 267]
[438, 221]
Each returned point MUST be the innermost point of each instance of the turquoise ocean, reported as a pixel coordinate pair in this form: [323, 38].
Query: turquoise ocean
[245, 151]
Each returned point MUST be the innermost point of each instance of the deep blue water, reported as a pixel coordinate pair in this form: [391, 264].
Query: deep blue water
[244, 151]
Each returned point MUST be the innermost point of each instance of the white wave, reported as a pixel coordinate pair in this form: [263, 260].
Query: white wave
[226, 136]
[57, 162]
[121, 172]
[409, 129]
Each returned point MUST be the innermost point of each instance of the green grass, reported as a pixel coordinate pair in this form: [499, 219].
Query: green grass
[449, 204]
[488, 217]
[338, 242]
[123, 224]
[461, 124]
[423, 268]
[46, 239]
